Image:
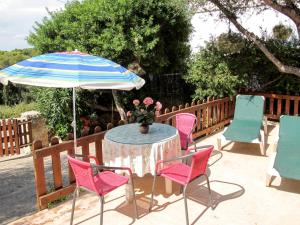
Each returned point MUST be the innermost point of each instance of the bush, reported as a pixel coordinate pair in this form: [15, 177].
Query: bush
[15, 111]
[211, 76]
[56, 105]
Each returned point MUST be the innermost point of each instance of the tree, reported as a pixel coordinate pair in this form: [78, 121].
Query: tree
[126, 31]
[233, 9]
[230, 61]
[151, 35]
[14, 94]
[209, 71]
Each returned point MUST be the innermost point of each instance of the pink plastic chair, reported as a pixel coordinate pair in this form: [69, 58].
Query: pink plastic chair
[184, 174]
[102, 183]
[185, 124]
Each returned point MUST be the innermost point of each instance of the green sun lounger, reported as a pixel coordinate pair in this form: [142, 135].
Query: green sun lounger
[247, 122]
[285, 162]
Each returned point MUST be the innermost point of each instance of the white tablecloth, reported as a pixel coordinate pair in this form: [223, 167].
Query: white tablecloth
[141, 158]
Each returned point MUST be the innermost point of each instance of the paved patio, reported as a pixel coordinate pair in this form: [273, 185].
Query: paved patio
[240, 197]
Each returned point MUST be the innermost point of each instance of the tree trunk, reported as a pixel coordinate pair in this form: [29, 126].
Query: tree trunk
[251, 36]
[119, 105]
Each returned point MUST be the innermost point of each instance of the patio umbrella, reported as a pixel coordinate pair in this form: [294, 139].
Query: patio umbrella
[71, 70]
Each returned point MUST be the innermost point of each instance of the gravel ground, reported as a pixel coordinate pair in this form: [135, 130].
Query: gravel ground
[17, 185]
[17, 192]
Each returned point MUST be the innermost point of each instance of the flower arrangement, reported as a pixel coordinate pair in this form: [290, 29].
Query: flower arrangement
[144, 113]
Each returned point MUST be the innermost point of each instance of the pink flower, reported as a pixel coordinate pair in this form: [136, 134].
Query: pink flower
[136, 102]
[158, 106]
[128, 114]
[148, 101]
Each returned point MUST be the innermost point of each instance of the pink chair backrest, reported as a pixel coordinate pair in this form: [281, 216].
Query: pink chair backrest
[185, 123]
[199, 162]
[83, 173]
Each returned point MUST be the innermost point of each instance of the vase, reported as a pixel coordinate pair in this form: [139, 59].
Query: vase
[144, 128]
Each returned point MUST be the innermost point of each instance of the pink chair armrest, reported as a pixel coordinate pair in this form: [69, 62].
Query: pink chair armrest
[172, 159]
[101, 167]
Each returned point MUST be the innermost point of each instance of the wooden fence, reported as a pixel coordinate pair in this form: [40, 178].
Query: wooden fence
[277, 105]
[57, 153]
[14, 134]
[212, 115]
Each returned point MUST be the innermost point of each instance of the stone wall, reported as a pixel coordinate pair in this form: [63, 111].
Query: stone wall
[39, 127]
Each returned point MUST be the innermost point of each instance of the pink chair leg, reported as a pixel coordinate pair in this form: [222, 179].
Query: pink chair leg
[101, 209]
[153, 188]
[75, 193]
[185, 205]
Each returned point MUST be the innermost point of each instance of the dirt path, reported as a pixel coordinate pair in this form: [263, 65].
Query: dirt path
[17, 189]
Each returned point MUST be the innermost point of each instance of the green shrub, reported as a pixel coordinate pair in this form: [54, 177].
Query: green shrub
[211, 76]
[56, 105]
[15, 111]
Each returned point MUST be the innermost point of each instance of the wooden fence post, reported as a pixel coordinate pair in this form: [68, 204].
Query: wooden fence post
[39, 174]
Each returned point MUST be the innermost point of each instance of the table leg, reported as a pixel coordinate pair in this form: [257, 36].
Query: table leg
[168, 186]
[128, 192]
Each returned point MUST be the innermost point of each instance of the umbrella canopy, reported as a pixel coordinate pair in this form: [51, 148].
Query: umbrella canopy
[71, 69]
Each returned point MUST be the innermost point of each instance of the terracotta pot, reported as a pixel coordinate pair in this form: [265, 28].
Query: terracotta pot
[144, 128]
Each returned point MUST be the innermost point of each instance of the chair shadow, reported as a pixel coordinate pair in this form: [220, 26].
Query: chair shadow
[125, 208]
[197, 192]
[212, 159]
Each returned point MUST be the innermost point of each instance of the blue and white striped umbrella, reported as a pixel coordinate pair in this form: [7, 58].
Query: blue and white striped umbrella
[69, 70]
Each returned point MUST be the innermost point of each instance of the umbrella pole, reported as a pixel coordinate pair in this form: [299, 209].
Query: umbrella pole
[74, 119]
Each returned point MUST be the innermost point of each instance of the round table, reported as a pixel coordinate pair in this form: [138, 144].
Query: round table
[126, 146]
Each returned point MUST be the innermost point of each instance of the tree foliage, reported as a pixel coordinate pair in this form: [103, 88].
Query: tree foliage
[150, 36]
[153, 33]
[218, 70]
[232, 10]
[14, 94]
[210, 74]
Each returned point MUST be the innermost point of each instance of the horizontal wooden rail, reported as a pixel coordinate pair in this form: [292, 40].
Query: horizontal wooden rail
[211, 115]
[57, 152]
[277, 105]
